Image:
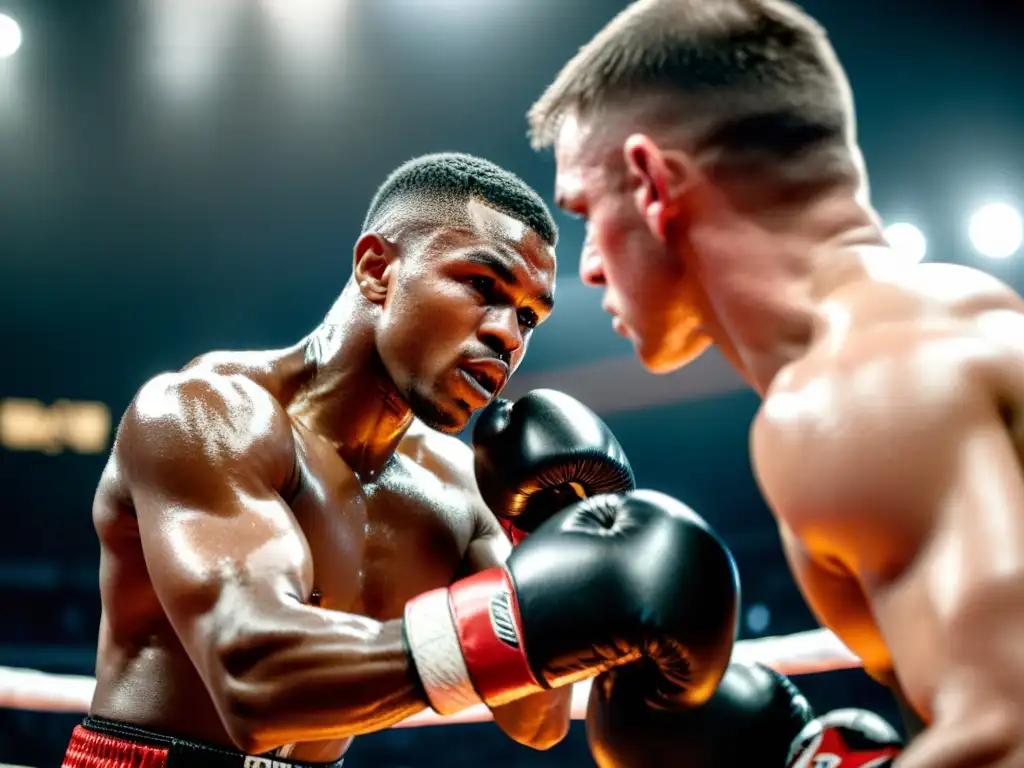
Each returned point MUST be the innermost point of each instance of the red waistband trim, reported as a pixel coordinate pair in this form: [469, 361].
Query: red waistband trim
[96, 750]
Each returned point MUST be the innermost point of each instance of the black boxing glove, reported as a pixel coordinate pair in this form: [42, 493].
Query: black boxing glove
[538, 455]
[846, 738]
[750, 721]
[608, 581]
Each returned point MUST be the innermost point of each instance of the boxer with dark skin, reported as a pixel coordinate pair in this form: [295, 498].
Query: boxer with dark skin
[710, 145]
[292, 553]
[265, 516]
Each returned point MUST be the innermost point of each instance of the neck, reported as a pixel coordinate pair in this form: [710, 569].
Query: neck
[764, 300]
[348, 398]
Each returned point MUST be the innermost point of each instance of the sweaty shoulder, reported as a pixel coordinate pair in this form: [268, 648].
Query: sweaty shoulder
[936, 349]
[930, 329]
[987, 305]
[926, 293]
[199, 421]
[965, 291]
[862, 433]
[447, 457]
[947, 313]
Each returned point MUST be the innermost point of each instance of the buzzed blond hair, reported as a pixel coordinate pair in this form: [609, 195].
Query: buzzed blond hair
[755, 76]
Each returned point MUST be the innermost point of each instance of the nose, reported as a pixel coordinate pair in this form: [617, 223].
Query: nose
[501, 332]
[591, 269]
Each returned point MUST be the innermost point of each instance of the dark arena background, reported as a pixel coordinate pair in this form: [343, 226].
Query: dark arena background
[178, 176]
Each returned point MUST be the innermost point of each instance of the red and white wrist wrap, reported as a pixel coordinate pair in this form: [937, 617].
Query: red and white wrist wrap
[466, 641]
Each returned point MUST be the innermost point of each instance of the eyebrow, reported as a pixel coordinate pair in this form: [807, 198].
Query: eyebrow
[503, 269]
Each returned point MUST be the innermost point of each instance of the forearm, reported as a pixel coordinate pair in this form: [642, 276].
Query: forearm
[976, 716]
[539, 721]
[324, 675]
[988, 742]
[796, 654]
[975, 713]
[975, 726]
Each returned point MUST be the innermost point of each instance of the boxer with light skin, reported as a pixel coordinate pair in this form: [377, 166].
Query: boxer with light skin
[710, 146]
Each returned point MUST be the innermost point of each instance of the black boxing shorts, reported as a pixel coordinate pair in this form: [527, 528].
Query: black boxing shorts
[99, 743]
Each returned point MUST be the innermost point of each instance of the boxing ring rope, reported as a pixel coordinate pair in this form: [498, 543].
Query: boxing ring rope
[802, 653]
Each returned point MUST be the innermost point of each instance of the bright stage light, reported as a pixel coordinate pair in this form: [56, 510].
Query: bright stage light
[309, 35]
[758, 618]
[907, 240]
[313, 11]
[996, 230]
[192, 42]
[10, 36]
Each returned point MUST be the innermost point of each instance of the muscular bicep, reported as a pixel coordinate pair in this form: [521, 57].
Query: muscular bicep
[970, 579]
[204, 462]
[932, 482]
[211, 556]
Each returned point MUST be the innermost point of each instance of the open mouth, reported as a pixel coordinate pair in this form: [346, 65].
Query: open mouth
[489, 376]
[488, 383]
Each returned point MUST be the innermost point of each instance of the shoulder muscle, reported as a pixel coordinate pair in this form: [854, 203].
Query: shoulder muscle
[959, 286]
[187, 425]
[869, 431]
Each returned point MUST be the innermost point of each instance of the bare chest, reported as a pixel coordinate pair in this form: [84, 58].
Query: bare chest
[376, 544]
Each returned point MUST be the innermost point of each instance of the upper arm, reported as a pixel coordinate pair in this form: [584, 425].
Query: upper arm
[933, 466]
[975, 570]
[837, 600]
[204, 459]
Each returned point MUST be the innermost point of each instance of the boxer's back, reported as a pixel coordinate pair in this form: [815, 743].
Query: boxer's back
[936, 352]
[371, 545]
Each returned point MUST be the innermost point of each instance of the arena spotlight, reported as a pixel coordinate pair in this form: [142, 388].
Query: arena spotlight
[310, 36]
[191, 43]
[907, 240]
[313, 11]
[10, 36]
[996, 230]
[758, 618]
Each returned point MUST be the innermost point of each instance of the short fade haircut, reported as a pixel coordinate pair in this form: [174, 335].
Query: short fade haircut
[435, 188]
[753, 76]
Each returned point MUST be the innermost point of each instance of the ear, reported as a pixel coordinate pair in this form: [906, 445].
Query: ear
[664, 179]
[373, 267]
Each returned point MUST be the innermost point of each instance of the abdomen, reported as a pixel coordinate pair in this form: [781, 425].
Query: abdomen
[156, 688]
